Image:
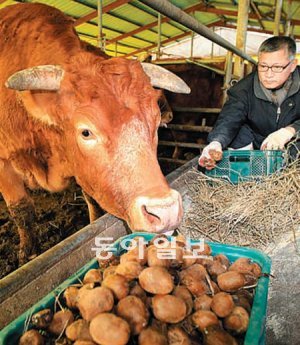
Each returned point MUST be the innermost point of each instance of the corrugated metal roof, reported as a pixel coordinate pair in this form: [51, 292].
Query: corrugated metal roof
[133, 25]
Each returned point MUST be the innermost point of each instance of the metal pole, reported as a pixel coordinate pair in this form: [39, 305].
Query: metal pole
[192, 44]
[212, 45]
[289, 17]
[241, 36]
[228, 75]
[176, 14]
[100, 23]
[277, 17]
[158, 35]
[192, 40]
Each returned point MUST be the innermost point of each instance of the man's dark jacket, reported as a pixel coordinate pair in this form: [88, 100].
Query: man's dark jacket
[248, 106]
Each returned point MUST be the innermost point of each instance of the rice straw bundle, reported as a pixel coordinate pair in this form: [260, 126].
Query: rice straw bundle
[252, 214]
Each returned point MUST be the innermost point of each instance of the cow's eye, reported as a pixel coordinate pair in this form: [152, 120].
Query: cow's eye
[86, 133]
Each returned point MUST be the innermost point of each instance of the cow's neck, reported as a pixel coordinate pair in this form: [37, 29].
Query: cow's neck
[41, 160]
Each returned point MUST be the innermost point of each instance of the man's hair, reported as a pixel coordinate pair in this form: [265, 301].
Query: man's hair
[276, 43]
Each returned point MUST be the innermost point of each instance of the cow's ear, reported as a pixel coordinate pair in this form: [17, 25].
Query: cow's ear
[37, 106]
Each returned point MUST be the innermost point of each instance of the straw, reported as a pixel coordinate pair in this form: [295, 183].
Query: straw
[254, 213]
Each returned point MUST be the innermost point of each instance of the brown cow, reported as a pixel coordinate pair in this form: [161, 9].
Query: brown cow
[68, 112]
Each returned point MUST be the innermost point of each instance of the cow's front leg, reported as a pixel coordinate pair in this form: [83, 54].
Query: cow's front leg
[21, 209]
[95, 211]
[23, 214]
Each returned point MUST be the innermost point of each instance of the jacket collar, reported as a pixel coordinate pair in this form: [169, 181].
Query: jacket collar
[259, 93]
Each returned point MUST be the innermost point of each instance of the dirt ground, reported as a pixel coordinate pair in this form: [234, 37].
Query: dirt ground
[59, 216]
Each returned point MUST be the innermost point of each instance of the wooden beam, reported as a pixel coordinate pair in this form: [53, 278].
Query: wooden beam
[93, 38]
[257, 13]
[197, 110]
[177, 15]
[219, 12]
[231, 13]
[181, 144]
[197, 7]
[163, 42]
[288, 26]
[214, 69]
[105, 9]
[190, 128]
[151, 25]
[136, 31]
[277, 19]
[230, 26]
[168, 40]
[204, 60]
[241, 36]
[222, 12]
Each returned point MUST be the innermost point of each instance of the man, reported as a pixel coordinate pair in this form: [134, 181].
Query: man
[263, 109]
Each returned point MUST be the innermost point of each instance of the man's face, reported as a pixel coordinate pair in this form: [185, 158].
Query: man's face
[269, 78]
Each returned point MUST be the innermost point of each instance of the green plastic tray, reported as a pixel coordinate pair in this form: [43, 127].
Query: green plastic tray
[247, 165]
[256, 331]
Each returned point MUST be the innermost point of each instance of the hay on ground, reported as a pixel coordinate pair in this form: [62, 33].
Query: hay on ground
[252, 214]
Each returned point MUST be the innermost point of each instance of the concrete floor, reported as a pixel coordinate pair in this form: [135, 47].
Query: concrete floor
[283, 320]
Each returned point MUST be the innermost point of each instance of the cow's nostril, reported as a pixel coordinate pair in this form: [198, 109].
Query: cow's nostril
[156, 214]
[151, 217]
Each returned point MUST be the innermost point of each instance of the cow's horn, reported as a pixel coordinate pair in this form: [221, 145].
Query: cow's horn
[164, 79]
[45, 77]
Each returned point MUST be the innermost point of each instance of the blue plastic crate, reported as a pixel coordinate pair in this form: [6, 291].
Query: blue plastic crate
[256, 331]
[247, 165]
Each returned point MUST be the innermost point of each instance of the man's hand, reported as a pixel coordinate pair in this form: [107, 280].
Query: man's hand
[210, 155]
[277, 140]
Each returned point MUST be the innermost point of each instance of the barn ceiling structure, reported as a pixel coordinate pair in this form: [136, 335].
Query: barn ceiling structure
[131, 28]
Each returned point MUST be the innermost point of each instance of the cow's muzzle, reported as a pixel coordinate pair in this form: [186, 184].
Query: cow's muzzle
[156, 214]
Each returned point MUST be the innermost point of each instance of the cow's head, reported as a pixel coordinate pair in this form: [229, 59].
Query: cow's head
[108, 115]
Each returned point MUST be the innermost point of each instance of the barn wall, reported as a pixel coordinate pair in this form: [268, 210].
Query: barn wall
[206, 87]
[206, 92]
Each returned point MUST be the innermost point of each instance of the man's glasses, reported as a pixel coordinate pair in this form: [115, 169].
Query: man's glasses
[274, 68]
